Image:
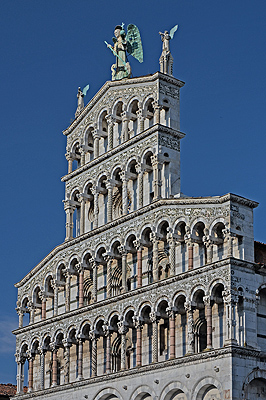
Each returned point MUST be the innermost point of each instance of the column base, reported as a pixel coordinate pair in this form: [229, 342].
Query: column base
[208, 349]
[228, 342]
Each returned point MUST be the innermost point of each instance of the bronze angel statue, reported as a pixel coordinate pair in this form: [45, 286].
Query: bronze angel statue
[124, 43]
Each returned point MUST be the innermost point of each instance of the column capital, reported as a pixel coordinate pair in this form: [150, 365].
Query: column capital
[170, 312]
[54, 347]
[122, 328]
[188, 305]
[122, 250]
[138, 322]
[156, 160]
[108, 257]
[153, 317]
[29, 355]
[110, 119]
[107, 329]
[230, 296]
[138, 244]
[125, 116]
[96, 134]
[66, 343]
[93, 335]
[140, 114]
[207, 300]
[124, 176]
[154, 237]
[140, 168]
[42, 295]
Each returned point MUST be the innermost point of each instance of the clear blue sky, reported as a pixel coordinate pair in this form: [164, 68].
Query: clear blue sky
[49, 48]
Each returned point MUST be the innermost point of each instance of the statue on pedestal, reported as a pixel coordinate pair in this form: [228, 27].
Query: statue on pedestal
[125, 43]
[166, 59]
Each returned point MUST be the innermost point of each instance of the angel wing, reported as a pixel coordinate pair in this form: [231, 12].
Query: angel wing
[172, 31]
[134, 45]
[84, 91]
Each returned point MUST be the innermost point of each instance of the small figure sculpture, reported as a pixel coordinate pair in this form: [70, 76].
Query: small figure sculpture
[166, 59]
[80, 96]
[123, 43]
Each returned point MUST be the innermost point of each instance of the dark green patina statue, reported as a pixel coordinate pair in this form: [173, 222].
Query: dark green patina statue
[124, 43]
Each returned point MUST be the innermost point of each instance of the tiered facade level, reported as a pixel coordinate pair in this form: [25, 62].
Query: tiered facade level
[153, 295]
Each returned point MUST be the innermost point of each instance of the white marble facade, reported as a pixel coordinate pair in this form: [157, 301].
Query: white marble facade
[152, 295]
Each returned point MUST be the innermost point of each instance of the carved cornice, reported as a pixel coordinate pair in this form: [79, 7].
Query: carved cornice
[216, 354]
[147, 133]
[182, 201]
[123, 82]
[190, 275]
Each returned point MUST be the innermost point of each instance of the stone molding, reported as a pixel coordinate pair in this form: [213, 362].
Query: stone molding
[122, 83]
[157, 128]
[137, 293]
[229, 351]
[153, 206]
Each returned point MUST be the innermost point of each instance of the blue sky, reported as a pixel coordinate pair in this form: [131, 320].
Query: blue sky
[49, 48]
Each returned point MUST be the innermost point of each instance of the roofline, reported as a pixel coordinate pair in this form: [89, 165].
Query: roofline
[122, 82]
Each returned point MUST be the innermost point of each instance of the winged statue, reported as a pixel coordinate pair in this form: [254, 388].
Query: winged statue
[80, 96]
[123, 44]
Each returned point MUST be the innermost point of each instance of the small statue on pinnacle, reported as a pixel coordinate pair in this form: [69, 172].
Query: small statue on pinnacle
[166, 59]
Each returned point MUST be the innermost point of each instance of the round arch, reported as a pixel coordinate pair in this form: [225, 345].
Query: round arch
[172, 389]
[108, 394]
[200, 389]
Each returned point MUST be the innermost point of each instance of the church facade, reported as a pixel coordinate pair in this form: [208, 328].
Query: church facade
[152, 295]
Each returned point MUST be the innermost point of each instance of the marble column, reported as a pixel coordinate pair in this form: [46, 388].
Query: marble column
[123, 251]
[171, 241]
[54, 364]
[69, 209]
[110, 121]
[208, 308]
[66, 345]
[96, 140]
[139, 247]
[171, 315]
[70, 162]
[125, 121]
[157, 182]
[80, 358]
[43, 298]
[122, 330]
[30, 373]
[94, 266]
[154, 321]
[124, 178]
[31, 310]
[155, 267]
[109, 187]
[20, 377]
[67, 290]
[20, 313]
[208, 243]
[140, 173]
[93, 338]
[81, 285]
[96, 207]
[82, 201]
[109, 261]
[42, 366]
[141, 120]
[190, 328]
[55, 288]
[230, 301]
[138, 326]
[190, 254]
[157, 109]
[108, 335]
